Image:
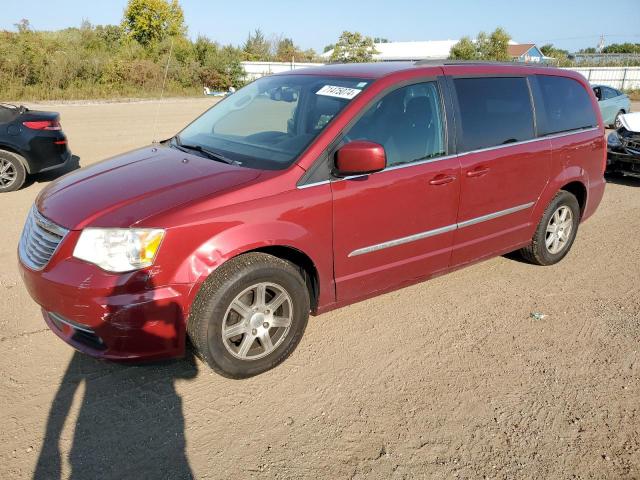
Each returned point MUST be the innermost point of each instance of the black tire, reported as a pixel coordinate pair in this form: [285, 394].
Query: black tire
[213, 305]
[12, 171]
[537, 251]
[616, 122]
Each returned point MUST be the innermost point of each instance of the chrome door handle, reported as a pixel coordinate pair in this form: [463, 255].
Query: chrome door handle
[442, 179]
[478, 172]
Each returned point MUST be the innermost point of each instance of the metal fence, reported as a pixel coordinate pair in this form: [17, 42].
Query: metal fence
[622, 78]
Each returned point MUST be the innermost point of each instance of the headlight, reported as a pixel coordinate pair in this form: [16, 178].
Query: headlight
[119, 249]
[613, 140]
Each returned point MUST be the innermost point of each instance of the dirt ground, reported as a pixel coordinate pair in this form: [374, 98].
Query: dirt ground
[447, 379]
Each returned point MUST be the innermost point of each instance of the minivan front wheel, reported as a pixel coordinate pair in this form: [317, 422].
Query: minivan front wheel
[249, 315]
[556, 231]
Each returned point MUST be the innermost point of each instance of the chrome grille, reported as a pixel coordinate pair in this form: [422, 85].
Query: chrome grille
[40, 240]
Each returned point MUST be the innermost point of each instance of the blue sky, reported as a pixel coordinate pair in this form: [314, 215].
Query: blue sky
[567, 24]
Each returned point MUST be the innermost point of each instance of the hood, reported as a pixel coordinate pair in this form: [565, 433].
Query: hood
[128, 188]
[631, 121]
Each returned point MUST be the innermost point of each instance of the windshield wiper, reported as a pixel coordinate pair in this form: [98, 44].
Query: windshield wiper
[208, 153]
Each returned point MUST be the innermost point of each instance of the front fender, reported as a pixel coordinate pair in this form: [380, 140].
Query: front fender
[243, 238]
[237, 240]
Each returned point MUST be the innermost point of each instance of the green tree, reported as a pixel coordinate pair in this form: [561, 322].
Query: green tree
[287, 51]
[485, 47]
[310, 55]
[622, 48]
[329, 47]
[561, 56]
[353, 47]
[22, 26]
[497, 45]
[548, 50]
[256, 47]
[151, 21]
[465, 49]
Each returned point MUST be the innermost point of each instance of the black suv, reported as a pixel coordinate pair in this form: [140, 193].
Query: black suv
[31, 142]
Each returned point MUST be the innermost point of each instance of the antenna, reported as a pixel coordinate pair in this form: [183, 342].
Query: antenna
[164, 81]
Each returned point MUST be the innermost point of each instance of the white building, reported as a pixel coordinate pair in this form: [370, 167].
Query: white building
[427, 50]
[440, 49]
[255, 70]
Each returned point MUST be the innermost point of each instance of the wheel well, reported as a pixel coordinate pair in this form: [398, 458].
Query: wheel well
[22, 158]
[302, 261]
[578, 190]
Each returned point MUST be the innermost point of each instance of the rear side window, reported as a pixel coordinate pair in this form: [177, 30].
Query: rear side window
[567, 106]
[494, 111]
[610, 93]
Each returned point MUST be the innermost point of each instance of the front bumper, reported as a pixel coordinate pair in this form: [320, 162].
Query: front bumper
[623, 162]
[116, 317]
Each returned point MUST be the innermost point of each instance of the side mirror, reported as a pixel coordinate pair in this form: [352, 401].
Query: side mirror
[359, 158]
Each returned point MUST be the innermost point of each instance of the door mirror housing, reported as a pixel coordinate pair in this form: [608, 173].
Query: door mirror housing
[360, 158]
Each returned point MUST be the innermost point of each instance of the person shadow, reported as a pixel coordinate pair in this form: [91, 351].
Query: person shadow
[130, 422]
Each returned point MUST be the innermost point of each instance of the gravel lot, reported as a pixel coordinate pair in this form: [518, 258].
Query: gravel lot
[446, 379]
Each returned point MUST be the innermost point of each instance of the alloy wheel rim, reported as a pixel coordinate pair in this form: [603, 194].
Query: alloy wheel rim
[559, 230]
[8, 173]
[617, 123]
[257, 321]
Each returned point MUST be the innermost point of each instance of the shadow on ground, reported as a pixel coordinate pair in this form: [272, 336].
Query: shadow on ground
[619, 179]
[130, 422]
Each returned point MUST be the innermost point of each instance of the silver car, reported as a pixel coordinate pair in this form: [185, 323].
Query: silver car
[613, 103]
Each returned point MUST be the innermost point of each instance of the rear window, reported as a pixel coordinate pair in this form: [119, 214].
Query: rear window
[494, 111]
[567, 106]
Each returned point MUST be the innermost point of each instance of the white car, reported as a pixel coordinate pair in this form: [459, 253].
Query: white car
[623, 146]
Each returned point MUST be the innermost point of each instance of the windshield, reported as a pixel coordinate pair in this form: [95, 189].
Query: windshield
[270, 122]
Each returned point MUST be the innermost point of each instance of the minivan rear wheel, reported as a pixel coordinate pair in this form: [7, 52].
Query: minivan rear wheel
[556, 231]
[249, 315]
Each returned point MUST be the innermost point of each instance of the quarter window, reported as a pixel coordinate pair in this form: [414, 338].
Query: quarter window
[567, 106]
[407, 123]
[493, 111]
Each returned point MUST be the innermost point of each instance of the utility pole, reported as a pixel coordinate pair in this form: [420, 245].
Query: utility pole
[600, 44]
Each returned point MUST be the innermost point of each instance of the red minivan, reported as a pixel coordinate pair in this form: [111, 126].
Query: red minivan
[308, 191]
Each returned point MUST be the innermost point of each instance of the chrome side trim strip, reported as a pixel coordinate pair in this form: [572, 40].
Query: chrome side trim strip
[420, 162]
[438, 231]
[493, 215]
[403, 240]
[314, 184]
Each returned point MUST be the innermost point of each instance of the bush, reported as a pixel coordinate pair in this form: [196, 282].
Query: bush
[633, 94]
[104, 62]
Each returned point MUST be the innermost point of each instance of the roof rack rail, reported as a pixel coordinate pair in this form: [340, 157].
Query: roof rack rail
[478, 62]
